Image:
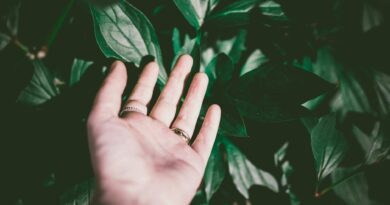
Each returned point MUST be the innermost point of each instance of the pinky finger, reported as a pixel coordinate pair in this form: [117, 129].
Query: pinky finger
[208, 132]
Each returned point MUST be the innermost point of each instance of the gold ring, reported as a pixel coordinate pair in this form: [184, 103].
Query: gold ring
[182, 134]
[134, 106]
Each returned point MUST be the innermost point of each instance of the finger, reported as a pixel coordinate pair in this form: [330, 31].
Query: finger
[108, 99]
[208, 132]
[165, 108]
[143, 90]
[189, 112]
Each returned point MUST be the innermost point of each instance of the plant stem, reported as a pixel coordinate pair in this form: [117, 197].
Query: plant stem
[59, 23]
[20, 45]
[352, 174]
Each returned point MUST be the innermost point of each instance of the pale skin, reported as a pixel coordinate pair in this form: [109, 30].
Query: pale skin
[136, 158]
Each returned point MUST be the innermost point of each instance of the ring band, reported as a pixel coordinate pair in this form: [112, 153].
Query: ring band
[182, 134]
[134, 106]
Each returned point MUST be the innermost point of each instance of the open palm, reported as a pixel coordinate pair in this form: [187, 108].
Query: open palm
[137, 159]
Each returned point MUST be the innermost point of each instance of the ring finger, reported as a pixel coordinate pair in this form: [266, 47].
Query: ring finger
[189, 112]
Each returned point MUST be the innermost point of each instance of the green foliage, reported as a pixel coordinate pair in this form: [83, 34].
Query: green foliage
[274, 66]
[124, 32]
[328, 144]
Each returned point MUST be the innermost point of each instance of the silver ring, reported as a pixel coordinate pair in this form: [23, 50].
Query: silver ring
[134, 106]
[181, 133]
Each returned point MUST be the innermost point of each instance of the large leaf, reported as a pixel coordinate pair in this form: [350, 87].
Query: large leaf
[244, 173]
[235, 14]
[41, 87]
[215, 171]
[275, 92]
[328, 145]
[125, 33]
[193, 10]
[78, 69]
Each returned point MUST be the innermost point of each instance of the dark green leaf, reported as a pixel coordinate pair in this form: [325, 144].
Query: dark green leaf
[275, 92]
[220, 70]
[354, 191]
[235, 14]
[215, 171]
[328, 145]
[125, 33]
[41, 87]
[232, 123]
[238, 46]
[13, 20]
[244, 173]
[193, 10]
[80, 194]
[4, 40]
[78, 69]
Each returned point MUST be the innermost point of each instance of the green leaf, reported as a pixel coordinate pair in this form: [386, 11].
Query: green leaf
[213, 4]
[328, 145]
[80, 194]
[4, 40]
[41, 87]
[78, 69]
[233, 47]
[215, 171]
[13, 20]
[235, 14]
[255, 60]
[232, 123]
[244, 173]
[193, 10]
[272, 10]
[220, 71]
[275, 92]
[353, 191]
[125, 33]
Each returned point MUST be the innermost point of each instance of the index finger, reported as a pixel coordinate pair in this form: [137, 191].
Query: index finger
[109, 97]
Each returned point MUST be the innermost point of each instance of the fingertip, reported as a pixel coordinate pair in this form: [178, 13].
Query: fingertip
[185, 61]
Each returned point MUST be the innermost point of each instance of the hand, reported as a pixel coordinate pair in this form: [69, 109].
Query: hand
[138, 159]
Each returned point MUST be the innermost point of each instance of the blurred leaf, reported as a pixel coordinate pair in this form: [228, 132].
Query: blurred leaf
[272, 10]
[234, 14]
[233, 47]
[376, 145]
[328, 145]
[220, 70]
[80, 194]
[78, 69]
[382, 85]
[287, 169]
[232, 123]
[244, 173]
[176, 44]
[354, 191]
[193, 10]
[213, 4]
[4, 40]
[41, 87]
[125, 33]
[215, 171]
[238, 46]
[275, 92]
[13, 20]
[255, 60]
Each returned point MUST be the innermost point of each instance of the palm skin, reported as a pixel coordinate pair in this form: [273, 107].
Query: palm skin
[138, 159]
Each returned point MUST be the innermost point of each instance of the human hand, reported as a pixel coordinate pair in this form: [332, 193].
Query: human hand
[137, 159]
